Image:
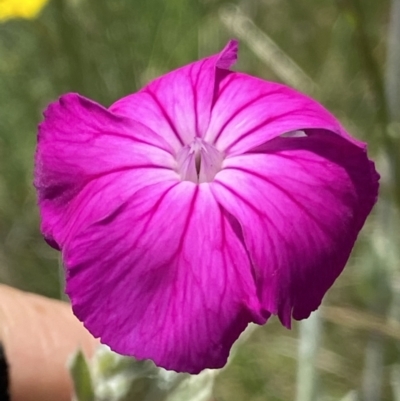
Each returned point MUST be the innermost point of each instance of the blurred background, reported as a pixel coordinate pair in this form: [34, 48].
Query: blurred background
[344, 53]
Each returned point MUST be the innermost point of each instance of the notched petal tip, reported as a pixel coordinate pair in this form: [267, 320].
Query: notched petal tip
[63, 101]
[228, 55]
[69, 110]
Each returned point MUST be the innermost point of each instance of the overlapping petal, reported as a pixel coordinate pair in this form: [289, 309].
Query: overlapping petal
[178, 105]
[165, 277]
[80, 142]
[249, 112]
[174, 243]
[300, 203]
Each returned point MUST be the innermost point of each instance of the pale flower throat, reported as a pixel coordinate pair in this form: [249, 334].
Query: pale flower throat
[199, 161]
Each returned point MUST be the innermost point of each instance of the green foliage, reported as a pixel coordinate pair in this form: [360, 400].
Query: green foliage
[81, 377]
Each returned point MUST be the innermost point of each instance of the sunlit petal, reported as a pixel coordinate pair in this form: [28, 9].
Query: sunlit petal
[178, 105]
[249, 112]
[300, 205]
[175, 276]
[79, 142]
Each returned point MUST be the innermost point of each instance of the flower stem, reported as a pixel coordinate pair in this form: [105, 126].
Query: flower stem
[309, 344]
[393, 62]
[373, 368]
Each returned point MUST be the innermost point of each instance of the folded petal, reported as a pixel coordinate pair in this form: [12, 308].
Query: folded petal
[177, 105]
[300, 203]
[249, 112]
[166, 277]
[79, 142]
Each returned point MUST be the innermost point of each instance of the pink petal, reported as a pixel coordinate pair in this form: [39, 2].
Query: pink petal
[177, 105]
[249, 112]
[80, 142]
[166, 277]
[300, 203]
[174, 271]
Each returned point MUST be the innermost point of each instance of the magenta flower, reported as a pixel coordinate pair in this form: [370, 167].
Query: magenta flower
[207, 200]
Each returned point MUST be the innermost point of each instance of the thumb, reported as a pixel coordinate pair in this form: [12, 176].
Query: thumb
[38, 335]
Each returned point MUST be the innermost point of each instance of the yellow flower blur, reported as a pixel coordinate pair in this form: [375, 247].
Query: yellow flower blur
[20, 8]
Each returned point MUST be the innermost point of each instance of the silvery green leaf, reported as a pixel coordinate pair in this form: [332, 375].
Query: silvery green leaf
[81, 377]
[119, 378]
[195, 388]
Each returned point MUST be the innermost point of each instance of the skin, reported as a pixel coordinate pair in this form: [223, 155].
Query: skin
[39, 335]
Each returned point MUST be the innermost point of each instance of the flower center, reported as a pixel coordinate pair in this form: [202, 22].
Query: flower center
[199, 161]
